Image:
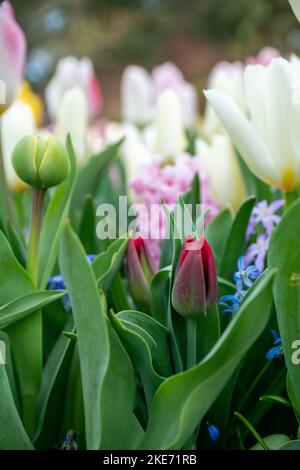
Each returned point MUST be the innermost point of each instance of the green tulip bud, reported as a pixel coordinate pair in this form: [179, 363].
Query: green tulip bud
[41, 161]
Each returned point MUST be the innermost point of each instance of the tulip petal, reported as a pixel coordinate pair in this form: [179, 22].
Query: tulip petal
[244, 135]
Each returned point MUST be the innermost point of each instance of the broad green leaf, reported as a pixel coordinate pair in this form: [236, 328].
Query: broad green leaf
[292, 445]
[12, 433]
[10, 369]
[25, 335]
[182, 400]
[50, 402]
[88, 178]
[141, 347]
[236, 241]
[274, 442]
[54, 221]
[284, 254]
[107, 375]
[208, 332]
[22, 306]
[107, 264]
[217, 232]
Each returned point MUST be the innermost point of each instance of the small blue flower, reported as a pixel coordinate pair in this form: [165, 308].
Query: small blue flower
[231, 302]
[245, 274]
[277, 350]
[213, 431]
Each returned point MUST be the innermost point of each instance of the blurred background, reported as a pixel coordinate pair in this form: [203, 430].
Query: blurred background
[195, 34]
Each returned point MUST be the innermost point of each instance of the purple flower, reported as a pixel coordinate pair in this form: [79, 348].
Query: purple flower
[257, 251]
[265, 214]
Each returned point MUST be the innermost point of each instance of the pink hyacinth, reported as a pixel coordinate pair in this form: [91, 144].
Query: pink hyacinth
[168, 182]
[12, 53]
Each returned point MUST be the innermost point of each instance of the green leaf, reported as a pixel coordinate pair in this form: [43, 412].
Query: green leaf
[107, 264]
[26, 304]
[182, 400]
[292, 445]
[88, 177]
[208, 332]
[50, 402]
[284, 254]
[160, 287]
[54, 221]
[273, 442]
[12, 433]
[10, 368]
[217, 232]
[107, 375]
[276, 400]
[87, 228]
[236, 242]
[142, 348]
[25, 335]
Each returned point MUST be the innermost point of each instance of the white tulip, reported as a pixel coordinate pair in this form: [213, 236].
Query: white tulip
[269, 141]
[295, 4]
[16, 123]
[227, 78]
[134, 155]
[137, 95]
[220, 159]
[170, 137]
[73, 119]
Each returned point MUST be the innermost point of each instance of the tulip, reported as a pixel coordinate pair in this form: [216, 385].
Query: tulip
[72, 119]
[295, 4]
[72, 72]
[269, 141]
[168, 76]
[12, 56]
[41, 162]
[195, 285]
[16, 123]
[141, 269]
[225, 178]
[170, 138]
[264, 57]
[137, 95]
[227, 78]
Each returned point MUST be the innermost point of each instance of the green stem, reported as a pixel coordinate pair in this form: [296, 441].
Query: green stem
[252, 430]
[5, 207]
[253, 385]
[38, 196]
[289, 199]
[191, 342]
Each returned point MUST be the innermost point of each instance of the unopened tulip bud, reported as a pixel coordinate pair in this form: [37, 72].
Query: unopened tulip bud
[41, 162]
[141, 268]
[195, 285]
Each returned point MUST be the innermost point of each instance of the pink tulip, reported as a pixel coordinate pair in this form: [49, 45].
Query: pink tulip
[264, 57]
[12, 53]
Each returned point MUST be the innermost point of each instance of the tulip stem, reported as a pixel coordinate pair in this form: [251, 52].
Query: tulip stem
[38, 196]
[191, 342]
[5, 207]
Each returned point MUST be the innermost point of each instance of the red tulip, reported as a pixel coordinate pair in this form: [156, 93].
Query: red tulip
[12, 54]
[195, 285]
[141, 268]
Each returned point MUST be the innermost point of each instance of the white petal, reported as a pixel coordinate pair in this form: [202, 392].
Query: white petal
[244, 135]
[295, 4]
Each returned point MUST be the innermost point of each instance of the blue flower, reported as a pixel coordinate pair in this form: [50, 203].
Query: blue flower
[213, 431]
[277, 350]
[245, 275]
[57, 283]
[231, 302]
